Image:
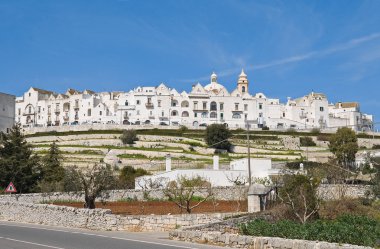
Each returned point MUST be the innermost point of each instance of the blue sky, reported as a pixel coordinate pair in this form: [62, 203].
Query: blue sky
[287, 48]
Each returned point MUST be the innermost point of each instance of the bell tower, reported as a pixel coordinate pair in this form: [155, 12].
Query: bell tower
[242, 83]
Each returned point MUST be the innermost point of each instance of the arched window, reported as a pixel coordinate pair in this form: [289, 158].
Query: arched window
[174, 113]
[236, 115]
[243, 89]
[213, 115]
[126, 102]
[185, 103]
[204, 114]
[185, 114]
[174, 103]
[213, 106]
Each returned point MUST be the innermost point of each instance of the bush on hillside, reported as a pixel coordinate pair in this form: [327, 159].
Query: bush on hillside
[129, 137]
[307, 141]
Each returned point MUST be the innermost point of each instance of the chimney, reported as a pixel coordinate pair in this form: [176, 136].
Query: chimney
[216, 162]
[168, 163]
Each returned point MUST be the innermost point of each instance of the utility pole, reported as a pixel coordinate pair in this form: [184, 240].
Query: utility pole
[249, 155]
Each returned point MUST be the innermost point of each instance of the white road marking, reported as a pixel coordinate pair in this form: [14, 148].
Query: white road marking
[32, 243]
[99, 235]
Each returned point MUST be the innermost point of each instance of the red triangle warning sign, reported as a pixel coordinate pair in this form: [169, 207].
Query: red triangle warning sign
[11, 188]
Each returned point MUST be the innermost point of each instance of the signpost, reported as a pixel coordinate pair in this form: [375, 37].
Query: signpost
[11, 188]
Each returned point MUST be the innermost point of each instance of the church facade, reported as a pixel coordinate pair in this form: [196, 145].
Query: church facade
[202, 106]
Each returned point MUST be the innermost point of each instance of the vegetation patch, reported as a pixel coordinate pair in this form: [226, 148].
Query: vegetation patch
[351, 229]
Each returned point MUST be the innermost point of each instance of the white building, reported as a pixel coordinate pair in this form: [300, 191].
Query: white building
[201, 106]
[238, 172]
[7, 112]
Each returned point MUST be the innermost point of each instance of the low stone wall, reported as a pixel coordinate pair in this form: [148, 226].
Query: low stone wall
[100, 219]
[220, 193]
[242, 241]
[328, 192]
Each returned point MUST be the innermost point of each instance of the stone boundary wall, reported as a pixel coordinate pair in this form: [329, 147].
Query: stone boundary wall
[220, 193]
[100, 219]
[328, 192]
[243, 241]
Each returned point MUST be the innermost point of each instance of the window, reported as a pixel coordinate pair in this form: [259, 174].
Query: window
[30, 109]
[89, 112]
[162, 114]
[185, 114]
[213, 115]
[213, 106]
[150, 113]
[19, 111]
[174, 113]
[100, 113]
[236, 106]
[260, 106]
[221, 106]
[321, 108]
[126, 103]
[195, 115]
[245, 116]
[221, 116]
[236, 116]
[30, 94]
[204, 105]
[39, 109]
[243, 89]
[159, 103]
[283, 114]
[204, 114]
[245, 107]
[185, 104]
[137, 102]
[138, 112]
[195, 105]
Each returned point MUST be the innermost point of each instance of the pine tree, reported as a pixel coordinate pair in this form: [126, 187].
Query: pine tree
[52, 169]
[18, 163]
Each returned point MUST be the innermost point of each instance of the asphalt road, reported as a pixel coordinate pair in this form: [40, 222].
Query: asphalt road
[29, 236]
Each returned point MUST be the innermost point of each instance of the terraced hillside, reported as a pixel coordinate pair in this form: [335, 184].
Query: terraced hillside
[187, 148]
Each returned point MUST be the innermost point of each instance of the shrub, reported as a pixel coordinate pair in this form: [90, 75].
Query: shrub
[376, 146]
[315, 131]
[323, 137]
[307, 141]
[217, 136]
[345, 229]
[129, 137]
[291, 130]
[265, 128]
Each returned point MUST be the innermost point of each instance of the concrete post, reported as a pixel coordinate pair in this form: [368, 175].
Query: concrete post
[168, 163]
[253, 203]
[216, 162]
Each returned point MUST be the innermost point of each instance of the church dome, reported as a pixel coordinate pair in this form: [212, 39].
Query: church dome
[214, 86]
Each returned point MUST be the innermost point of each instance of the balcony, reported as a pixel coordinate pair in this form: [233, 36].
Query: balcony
[197, 109]
[152, 117]
[126, 107]
[149, 105]
[57, 110]
[66, 118]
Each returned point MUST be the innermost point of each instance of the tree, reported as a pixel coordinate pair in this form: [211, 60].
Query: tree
[299, 192]
[344, 145]
[18, 163]
[217, 136]
[129, 137]
[92, 180]
[182, 191]
[128, 175]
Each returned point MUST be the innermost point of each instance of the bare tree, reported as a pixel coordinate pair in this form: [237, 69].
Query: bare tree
[147, 186]
[239, 182]
[92, 180]
[182, 191]
[299, 192]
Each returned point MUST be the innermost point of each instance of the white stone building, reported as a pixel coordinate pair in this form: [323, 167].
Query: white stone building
[202, 106]
[7, 112]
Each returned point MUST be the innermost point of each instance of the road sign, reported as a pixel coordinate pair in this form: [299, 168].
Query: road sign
[11, 188]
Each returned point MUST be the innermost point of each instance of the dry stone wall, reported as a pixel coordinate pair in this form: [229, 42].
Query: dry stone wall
[242, 241]
[100, 219]
[328, 192]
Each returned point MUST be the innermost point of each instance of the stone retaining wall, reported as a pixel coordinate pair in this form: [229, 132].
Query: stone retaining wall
[100, 219]
[242, 241]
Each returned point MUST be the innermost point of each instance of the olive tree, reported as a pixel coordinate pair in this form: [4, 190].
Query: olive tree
[92, 181]
[182, 192]
[217, 136]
